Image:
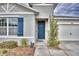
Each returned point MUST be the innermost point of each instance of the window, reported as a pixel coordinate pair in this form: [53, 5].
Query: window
[13, 26]
[8, 26]
[3, 26]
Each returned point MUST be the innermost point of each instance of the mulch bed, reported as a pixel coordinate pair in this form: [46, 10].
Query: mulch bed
[21, 51]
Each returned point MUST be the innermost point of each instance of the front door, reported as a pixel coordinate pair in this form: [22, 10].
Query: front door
[41, 30]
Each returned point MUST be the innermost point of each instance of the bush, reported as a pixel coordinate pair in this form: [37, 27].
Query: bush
[53, 34]
[24, 42]
[53, 43]
[8, 44]
[4, 51]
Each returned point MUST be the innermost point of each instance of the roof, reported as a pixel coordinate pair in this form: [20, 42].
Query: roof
[67, 9]
[27, 6]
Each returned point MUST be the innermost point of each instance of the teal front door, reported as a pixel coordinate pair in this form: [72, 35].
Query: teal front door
[41, 30]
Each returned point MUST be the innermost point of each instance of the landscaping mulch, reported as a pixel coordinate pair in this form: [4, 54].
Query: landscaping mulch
[21, 51]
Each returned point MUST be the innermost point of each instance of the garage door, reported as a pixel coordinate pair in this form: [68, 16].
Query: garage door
[69, 32]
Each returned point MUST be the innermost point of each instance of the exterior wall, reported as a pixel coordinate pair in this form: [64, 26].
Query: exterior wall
[28, 25]
[36, 29]
[17, 10]
[64, 21]
[28, 28]
[44, 11]
[13, 7]
[46, 31]
[20, 8]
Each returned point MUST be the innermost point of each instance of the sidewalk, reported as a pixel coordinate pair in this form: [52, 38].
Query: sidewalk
[41, 49]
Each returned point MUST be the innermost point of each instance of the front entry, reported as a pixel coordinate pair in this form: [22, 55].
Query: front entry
[41, 30]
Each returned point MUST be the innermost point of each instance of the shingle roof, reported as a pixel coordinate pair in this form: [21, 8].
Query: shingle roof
[67, 9]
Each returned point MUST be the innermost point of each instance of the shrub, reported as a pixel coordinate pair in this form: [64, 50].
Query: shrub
[53, 43]
[4, 51]
[53, 34]
[24, 42]
[8, 44]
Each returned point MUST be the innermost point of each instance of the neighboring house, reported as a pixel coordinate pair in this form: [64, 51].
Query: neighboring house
[19, 20]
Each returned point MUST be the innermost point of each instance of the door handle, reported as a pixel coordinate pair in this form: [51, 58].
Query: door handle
[70, 33]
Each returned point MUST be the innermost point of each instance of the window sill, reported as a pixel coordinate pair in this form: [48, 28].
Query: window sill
[16, 37]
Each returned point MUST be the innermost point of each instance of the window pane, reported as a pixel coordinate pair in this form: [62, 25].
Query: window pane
[3, 26]
[12, 31]
[13, 26]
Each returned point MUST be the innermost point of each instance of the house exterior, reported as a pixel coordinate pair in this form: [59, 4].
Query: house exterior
[19, 20]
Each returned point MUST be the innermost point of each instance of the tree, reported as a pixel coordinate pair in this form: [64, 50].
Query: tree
[53, 34]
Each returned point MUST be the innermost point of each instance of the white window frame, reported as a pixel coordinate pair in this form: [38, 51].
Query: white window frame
[15, 14]
[9, 27]
[1, 26]
[7, 18]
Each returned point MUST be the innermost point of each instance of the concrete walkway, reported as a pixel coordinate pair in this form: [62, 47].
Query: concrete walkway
[41, 49]
[66, 49]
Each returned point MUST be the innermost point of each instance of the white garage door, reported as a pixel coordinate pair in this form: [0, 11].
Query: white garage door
[69, 32]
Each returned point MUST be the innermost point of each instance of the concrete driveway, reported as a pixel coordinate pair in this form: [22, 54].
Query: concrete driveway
[66, 49]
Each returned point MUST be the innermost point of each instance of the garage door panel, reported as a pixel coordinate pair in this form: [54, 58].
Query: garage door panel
[75, 32]
[68, 32]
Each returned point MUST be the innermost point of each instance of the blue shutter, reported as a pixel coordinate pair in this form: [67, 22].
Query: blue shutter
[20, 26]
